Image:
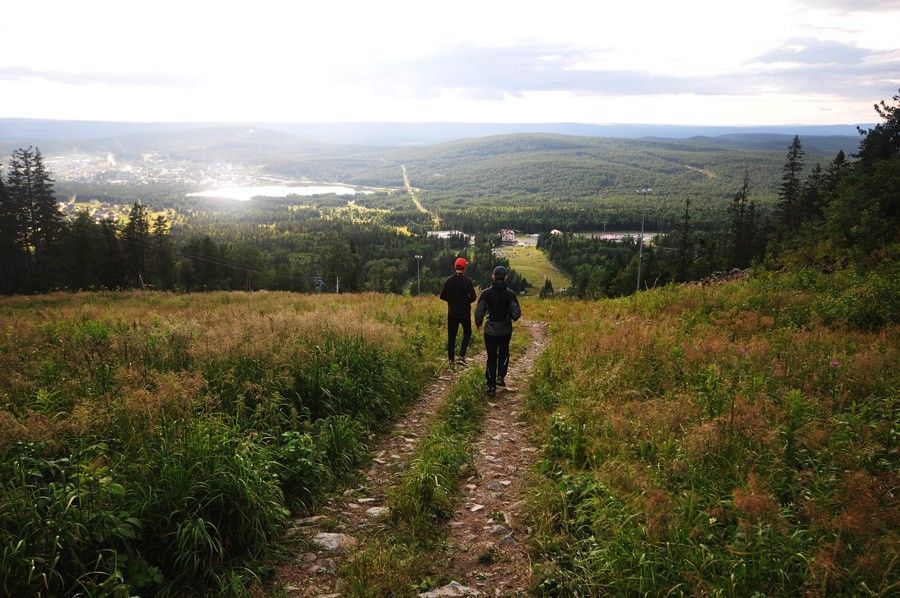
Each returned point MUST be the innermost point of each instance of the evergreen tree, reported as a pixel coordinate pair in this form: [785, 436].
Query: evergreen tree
[39, 221]
[162, 255]
[835, 173]
[48, 219]
[811, 196]
[136, 242]
[882, 141]
[12, 255]
[83, 252]
[742, 213]
[788, 208]
[113, 265]
[685, 244]
[547, 291]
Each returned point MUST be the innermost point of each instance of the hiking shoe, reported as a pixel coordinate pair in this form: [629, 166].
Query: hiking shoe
[451, 366]
[501, 383]
[461, 360]
[491, 391]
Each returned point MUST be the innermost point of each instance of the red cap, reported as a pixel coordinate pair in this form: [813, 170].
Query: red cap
[461, 263]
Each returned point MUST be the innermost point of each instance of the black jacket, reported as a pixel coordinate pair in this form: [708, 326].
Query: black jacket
[459, 293]
[501, 306]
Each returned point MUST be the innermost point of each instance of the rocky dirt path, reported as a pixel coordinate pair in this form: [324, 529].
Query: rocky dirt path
[333, 532]
[487, 548]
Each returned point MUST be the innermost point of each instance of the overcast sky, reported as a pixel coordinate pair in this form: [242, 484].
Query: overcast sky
[634, 61]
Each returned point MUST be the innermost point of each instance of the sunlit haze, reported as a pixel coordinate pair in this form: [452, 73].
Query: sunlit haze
[702, 62]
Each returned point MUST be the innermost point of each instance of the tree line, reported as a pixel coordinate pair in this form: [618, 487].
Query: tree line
[832, 216]
[271, 245]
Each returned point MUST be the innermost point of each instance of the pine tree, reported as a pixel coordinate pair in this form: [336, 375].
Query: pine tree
[136, 241]
[788, 208]
[882, 141]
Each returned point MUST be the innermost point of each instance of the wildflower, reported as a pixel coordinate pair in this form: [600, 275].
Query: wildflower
[833, 363]
[742, 350]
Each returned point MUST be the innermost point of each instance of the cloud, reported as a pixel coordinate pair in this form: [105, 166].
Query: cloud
[854, 5]
[24, 73]
[800, 66]
[815, 51]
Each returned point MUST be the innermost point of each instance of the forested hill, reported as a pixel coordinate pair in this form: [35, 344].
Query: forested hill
[398, 133]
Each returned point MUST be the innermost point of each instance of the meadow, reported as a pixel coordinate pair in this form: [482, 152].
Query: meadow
[727, 440]
[533, 264]
[153, 443]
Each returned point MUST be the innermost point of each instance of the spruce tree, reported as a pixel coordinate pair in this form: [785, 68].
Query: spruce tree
[788, 208]
[547, 291]
[836, 172]
[136, 241]
[12, 255]
[811, 197]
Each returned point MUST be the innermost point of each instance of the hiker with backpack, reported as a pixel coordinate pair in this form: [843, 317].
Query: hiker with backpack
[459, 293]
[500, 306]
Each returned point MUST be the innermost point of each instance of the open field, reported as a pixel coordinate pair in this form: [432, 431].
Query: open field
[533, 264]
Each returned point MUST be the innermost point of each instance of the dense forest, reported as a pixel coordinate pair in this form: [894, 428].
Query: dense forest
[851, 202]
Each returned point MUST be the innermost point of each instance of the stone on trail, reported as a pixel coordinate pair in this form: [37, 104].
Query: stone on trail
[476, 508]
[453, 588]
[333, 541]
[378, 512]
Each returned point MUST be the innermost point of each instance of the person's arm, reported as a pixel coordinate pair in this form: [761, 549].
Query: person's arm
[443, 294]
[480, 310]
[515, 311]
[471, 290]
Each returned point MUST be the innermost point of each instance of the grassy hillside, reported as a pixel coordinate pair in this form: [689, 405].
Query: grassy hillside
[726, 440]
[153, 442]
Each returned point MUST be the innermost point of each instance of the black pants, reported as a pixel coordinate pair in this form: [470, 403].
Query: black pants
[497, 357]
[452, 328]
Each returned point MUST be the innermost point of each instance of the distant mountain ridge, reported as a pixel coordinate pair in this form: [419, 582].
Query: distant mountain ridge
[387, 134]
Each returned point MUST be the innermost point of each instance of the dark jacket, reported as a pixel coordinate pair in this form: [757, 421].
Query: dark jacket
[501, 306]
[459, 293]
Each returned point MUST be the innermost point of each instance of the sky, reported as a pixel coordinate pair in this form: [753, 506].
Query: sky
[662, 62]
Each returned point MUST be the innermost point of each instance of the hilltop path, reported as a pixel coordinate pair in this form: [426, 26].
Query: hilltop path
[501, 458]
[414, 194]
[362, 509]
[487, 547]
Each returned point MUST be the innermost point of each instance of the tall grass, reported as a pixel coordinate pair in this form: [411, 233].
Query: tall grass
[724, 440]
[155, 444]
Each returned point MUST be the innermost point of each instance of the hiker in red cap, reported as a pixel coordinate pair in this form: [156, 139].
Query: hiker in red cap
[459, 293]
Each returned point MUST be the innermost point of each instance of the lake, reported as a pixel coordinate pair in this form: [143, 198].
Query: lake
[246, 193]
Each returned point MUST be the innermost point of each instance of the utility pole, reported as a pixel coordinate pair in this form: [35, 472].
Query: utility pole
[640, 250]
[644, 191]
[337, 285]
[418, 277]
